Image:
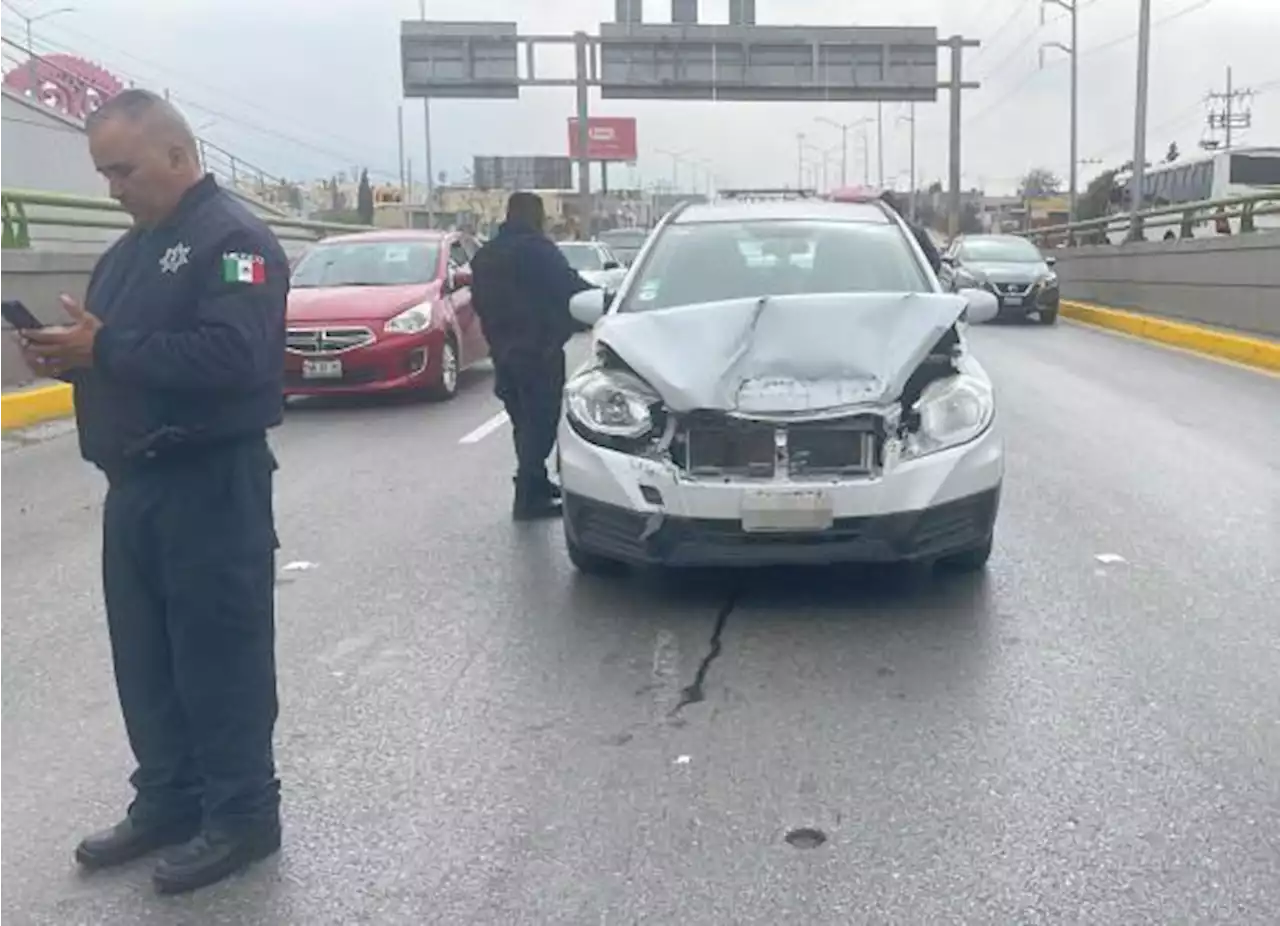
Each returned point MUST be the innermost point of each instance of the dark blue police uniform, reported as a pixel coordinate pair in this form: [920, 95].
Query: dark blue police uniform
[520, 289]
[187, 378]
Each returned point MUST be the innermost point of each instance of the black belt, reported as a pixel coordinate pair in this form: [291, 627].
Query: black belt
[170, 447]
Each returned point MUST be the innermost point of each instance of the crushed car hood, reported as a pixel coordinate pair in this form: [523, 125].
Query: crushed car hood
[782, 355]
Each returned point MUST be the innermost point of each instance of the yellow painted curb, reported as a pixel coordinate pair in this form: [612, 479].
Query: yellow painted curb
[31, 406]
[1251, 351]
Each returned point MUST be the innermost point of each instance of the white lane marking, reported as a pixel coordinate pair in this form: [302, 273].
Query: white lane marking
[485, 429]
[1185, 351]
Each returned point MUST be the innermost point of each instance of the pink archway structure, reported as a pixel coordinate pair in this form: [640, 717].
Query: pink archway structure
[71, 85]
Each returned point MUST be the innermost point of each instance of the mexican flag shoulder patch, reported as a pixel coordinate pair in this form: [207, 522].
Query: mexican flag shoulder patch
[244, 268]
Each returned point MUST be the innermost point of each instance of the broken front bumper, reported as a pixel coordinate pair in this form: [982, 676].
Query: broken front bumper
[644, 510]
[632, 537]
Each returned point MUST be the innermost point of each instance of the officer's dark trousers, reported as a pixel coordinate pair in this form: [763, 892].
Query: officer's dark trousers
[530, 387]
[188, 570]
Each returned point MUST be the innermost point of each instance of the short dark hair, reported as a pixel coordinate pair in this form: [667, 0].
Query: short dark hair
[527, 208]
[136, 104]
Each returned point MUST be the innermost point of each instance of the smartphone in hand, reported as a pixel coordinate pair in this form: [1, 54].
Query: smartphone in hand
[19, 316]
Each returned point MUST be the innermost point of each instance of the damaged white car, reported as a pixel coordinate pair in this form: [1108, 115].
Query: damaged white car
[817, 406]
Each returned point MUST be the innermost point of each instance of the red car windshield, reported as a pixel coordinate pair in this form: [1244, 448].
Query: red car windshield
[368, 263]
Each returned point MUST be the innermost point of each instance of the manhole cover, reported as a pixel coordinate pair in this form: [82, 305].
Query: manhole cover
[806, 838]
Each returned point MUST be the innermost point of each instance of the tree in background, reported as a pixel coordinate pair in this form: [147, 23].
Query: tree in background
[364, 199]
[1039, 181]
[1097, 196]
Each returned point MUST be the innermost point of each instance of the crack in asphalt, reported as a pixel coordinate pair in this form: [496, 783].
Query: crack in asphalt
[695, 691]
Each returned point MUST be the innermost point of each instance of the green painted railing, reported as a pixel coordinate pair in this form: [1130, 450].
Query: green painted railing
[25, 209]
[1185, 216]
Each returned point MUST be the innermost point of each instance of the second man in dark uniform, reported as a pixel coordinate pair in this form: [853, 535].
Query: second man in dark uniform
[521, 287]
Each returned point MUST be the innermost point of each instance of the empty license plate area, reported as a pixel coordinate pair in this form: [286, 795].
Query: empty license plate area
[844, 448]
[773, 510]
[730, 449]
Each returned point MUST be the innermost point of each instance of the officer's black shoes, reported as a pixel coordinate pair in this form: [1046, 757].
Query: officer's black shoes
[129, 840]
[536, 500]
[215, 854]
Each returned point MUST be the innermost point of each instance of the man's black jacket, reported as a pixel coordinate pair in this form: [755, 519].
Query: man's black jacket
[520, 288]
[191, 351]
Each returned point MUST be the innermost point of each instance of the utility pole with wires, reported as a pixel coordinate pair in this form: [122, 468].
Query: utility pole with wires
[1073, 50]
[1229, 111]
[911, 118]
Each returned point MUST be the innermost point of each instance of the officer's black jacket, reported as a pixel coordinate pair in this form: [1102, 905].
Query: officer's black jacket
[185, 357]
[521, 286]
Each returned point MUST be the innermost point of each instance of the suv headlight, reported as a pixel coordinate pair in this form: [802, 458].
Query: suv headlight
[611, 404]
[412, 320]
[951, 412]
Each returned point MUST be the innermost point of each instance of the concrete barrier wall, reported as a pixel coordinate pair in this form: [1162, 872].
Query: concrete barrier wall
[37, 278]
[1232, 282]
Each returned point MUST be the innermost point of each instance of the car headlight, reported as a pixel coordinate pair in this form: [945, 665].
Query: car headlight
[951, 412]
[411, 321]
[611, 404]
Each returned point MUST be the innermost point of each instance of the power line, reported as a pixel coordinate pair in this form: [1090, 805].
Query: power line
[343, 157]
[1019, 6]
[187, 77]
[1018, 87]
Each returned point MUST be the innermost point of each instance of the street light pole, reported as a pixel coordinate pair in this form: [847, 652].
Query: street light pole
[426, 132]
[844, 128]
[799, 161]
[844, 155]
[33, 77]
[1073, 10]
[880, 145]
[1140, 119]
[911, 118]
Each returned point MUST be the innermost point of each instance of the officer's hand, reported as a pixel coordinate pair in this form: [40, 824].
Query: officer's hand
[52, 351]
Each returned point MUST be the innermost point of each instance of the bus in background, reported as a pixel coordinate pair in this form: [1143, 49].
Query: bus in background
[1212, 176]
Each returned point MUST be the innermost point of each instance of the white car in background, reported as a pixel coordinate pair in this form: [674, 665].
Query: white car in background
[746, 413]
[595, 263]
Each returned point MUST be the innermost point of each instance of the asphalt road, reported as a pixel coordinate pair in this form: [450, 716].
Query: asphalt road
[470, 734]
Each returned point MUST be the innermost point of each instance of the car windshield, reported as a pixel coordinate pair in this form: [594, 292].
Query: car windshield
[582, 256]
[713, 261]
[625, 244]
[368, 263]
[1000, 251]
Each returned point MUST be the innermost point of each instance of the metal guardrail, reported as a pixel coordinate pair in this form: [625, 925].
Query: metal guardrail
[1242, 210]
[16, 207]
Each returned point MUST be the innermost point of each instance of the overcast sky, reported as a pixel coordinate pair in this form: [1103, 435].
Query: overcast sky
[306, 87]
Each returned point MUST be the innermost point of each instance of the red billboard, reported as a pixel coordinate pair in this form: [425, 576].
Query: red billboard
[609, 138]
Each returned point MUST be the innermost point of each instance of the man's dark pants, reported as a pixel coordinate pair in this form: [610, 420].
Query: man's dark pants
[188, 571]
[530, 385]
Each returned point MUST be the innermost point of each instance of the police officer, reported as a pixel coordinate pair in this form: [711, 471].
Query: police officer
[177, 365]
[922, 237]
[521, 286]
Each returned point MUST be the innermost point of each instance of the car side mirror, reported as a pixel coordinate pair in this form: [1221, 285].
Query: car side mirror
[588, 306]
[980, 305]
[612, 265]
[1051, 260]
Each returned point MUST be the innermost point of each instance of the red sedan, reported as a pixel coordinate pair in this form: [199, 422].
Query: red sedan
[383, 311]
